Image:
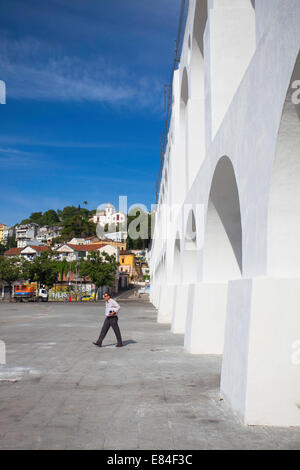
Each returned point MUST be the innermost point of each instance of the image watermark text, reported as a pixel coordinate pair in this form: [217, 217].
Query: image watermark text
[2, 353]
[2, 92]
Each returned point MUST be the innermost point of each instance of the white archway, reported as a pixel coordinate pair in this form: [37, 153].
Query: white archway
[263, 312]
[189, 274]
[179, 309]
[284, 201]
[176, 267]
[222, 261]
[222, 254]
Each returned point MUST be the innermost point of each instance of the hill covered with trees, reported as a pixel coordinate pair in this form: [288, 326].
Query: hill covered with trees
[73, 220]
[75, 223]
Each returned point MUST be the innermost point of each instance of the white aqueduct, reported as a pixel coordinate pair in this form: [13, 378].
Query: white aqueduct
[225, 258]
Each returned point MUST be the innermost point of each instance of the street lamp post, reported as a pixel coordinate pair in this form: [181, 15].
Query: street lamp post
[76, 277]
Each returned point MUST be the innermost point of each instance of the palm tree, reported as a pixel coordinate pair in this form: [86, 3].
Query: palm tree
[74, 265]
[64, 268]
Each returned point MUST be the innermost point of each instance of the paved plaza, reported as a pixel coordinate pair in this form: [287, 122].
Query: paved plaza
[59, 391]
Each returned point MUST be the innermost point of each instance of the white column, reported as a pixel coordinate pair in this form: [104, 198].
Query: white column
[165, 311]
[232, 44]
[179, 309]
[156, 294]
[261, 362]
[205, 324]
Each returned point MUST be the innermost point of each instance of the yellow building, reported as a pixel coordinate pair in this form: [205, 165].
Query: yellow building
[127, 263]
[2, 227]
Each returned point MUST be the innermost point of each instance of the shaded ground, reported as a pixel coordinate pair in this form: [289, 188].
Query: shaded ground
[58, 391]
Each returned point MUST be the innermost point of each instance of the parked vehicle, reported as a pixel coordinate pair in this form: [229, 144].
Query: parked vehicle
[87, 298]
[43, 295]
[30, 293]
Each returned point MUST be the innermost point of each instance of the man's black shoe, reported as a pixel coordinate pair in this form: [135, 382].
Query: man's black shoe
[97, 344]
[119, 345]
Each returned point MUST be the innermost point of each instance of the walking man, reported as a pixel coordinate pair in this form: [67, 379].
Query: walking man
[111, 320]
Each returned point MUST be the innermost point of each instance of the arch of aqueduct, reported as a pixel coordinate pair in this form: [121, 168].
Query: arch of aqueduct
[225, 258]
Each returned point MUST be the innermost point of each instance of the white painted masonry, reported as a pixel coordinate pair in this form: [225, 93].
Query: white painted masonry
[225, 258]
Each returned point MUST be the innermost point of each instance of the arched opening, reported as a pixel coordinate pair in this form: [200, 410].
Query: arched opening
[222, 258]
[190, 248]
[179, 306]
[182, 154]
[284, 202]
[184, 90]
[163, 271]
[176, 262]
[222, 261]
[196, 105]
[197, 55]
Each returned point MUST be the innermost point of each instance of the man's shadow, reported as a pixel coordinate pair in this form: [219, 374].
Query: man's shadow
[125, 343]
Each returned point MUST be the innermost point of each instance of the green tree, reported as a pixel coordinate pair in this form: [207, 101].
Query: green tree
[43, 269]
[50, 217]
[57, 240]
[63, 269]
[72, 211]
[77, 226]
[10, 271]
[36, 217]
[74, 268]
[139, 243]
[11, 241]
[100, 268]
[26, 221]
[74, 220]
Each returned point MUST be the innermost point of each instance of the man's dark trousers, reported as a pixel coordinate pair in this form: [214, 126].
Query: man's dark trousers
[110, 322]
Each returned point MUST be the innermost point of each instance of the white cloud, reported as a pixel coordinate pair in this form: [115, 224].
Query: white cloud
[33, 141]
[10, 157]
[33, 70]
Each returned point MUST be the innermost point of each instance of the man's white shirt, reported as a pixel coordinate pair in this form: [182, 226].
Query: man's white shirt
[111, 305]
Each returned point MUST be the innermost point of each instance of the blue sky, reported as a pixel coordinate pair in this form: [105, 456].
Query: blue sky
[84, 108]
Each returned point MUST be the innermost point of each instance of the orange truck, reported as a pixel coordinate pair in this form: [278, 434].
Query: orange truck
[30, 292]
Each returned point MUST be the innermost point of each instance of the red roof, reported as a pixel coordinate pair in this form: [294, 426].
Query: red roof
[13, 252]
[38, 248]
[18, 251]
[91, 247]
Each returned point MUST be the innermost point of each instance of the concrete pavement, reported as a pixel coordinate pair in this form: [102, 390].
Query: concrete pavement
[58, 391]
